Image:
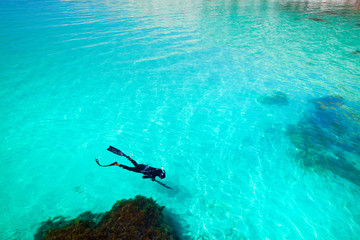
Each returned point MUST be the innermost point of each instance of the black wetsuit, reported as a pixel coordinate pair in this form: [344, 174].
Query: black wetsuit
[148, 171]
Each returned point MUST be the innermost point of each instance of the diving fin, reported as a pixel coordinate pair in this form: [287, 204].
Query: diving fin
[116, 151]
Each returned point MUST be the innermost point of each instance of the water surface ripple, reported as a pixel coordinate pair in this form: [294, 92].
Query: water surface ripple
[252, 107]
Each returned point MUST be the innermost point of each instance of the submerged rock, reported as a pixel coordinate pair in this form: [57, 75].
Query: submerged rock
[356, 52]
[277, 98]
[312, 19]
[318, 20]
[139, 218]
[327, 138]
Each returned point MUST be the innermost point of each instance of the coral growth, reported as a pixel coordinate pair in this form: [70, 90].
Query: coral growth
[327, 137]
[139, 218]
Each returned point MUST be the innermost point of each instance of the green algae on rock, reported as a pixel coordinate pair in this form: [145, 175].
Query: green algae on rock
[139, 218]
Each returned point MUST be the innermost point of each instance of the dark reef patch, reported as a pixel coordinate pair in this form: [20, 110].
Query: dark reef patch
[139, 218]
[314, 19]
[276, 98]
[356, 52]
[318, 20]
[327, 138]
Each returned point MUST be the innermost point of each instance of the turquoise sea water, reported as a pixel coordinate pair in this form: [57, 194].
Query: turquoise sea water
[211, 90]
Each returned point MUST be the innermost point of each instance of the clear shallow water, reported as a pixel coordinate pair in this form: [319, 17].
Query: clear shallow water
[179, 85]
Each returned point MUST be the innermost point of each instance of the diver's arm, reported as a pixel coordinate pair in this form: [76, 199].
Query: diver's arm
[148, 176]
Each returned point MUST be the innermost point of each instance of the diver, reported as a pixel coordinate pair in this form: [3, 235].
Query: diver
[148, 171]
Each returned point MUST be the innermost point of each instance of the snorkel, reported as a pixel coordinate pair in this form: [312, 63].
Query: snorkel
[163, 173]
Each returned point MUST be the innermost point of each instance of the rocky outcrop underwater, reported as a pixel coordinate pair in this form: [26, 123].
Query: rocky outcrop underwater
[327, 137]
[139, 218]
[276, 98]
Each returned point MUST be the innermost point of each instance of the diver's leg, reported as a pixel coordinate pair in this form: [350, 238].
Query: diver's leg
[132, 161]
[133, 169]
[137, 167]
[120, 153]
